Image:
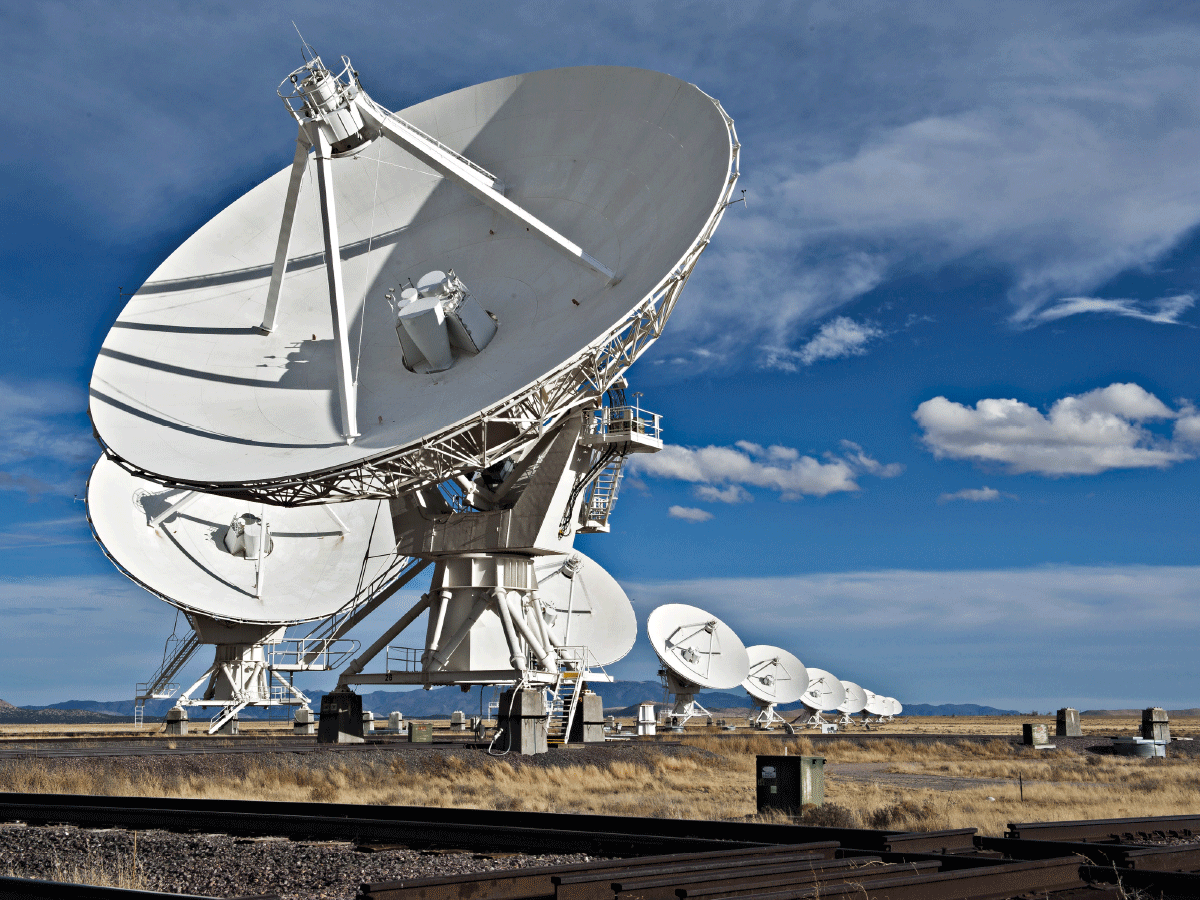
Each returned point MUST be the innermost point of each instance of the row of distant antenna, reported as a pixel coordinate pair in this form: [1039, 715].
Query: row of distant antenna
[699, 651]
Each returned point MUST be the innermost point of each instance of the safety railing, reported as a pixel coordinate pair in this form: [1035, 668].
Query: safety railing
[310, 654]
[404, 659]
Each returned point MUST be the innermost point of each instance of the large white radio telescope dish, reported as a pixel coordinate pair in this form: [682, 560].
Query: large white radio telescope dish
[697, 647]
[587, 607]
[633, 166]
[315, 562]
[877, 704]
[824, 691]
[776, 676]
[856, 699]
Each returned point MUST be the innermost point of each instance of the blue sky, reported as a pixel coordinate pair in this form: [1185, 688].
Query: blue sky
[929, 397]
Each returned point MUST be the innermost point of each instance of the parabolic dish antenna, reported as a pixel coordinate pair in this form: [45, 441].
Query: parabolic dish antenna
[856, 699]
[776, 676]
[634, 167]
[824, 691]
[586, 607]
[877, 705]
[316, 559]
[894, 706]
[697, 647]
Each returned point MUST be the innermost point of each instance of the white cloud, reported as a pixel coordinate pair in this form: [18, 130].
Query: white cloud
[1036, 149]
[838, 337]
[854, 453]
[778, 468]
[1080, 435]
[734, 493]
[984, 494]
[1187, 426]
[689, 514]
[1164, 311]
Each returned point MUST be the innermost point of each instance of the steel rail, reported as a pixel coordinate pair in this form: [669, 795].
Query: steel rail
[543, 881]
[1166, 858]
[1139, 882]
[1107, 829]
[671, 832]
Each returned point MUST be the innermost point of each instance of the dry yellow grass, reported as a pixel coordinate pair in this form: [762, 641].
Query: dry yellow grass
[885, 783]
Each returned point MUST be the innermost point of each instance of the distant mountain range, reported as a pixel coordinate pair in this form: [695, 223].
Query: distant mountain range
[620, 697]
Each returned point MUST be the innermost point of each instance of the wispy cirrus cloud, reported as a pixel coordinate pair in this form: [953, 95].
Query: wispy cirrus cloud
[1164, 311]
[44, 445]
[984, 494]
[1085, 434]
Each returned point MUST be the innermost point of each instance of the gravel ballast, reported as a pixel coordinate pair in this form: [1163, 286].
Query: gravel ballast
[218, 865]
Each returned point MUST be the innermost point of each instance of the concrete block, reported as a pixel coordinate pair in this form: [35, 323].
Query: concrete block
[177, 720]
[588, 725]
[230, 727]
[1035, 735]
[1154, 724]
[341, 719]
[368, 720]
[458, 721]
[1067, 724]
[526, 704]
[394, 720]
[522, 715]
[304, 722]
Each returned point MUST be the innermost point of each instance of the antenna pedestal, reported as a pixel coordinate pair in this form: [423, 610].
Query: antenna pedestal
[767, 716]
[684, 705]
[487, 623]
[248, 669]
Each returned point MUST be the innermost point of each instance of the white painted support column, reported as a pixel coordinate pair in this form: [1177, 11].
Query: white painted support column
[475, 184]
[442, 656]
[178, 506]
[518, 621]
[279, 269]
[357, 665]
[337, 520]
[516, 656]
[437, 621]
[345, 388]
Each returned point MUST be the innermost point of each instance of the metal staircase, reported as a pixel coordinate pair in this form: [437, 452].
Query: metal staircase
[225, 714]
[563, 704]
[162, 686]
[602, 496]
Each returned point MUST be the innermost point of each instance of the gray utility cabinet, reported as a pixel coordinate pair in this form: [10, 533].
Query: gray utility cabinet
[787, 783]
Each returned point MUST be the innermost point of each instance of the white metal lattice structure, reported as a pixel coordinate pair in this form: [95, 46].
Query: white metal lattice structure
[632, 168]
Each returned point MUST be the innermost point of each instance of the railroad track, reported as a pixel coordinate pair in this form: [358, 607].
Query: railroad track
[655, 859]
